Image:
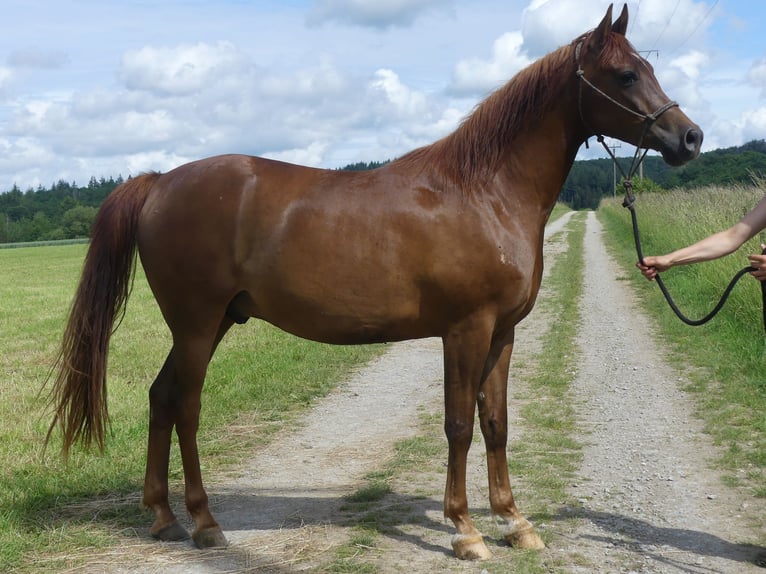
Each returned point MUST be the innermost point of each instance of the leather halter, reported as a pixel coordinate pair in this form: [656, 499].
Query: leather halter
[647, 119]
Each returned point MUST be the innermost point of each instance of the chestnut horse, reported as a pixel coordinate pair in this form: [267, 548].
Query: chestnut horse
[445, 241]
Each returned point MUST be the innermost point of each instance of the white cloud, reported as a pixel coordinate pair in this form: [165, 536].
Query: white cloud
[311, 155]
[476, 76]
[669, 26]
[549, 24]
[652, 24]
[397, 99]
[182, 70]
[752, 124]
[312, 83]
[681, 80]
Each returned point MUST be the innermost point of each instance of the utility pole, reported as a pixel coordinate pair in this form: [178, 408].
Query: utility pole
[613, 147]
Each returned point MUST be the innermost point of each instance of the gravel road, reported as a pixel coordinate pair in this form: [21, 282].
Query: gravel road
[646, 497]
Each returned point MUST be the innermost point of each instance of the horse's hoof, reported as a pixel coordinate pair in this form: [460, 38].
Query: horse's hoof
[210, 538]
[470, 547]
[173, 532]
[523, 535]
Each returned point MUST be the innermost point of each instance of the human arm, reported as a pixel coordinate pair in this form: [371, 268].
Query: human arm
[714, 246]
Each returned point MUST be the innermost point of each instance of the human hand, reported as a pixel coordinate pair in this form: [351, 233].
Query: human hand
[653, 265]
[758, 262]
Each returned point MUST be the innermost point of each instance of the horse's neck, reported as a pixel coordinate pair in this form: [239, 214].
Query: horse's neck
[538, 160]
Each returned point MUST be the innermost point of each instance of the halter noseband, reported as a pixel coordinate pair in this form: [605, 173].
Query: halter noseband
[648, 119]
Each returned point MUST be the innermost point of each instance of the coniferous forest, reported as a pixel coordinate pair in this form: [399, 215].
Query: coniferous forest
[66, 211]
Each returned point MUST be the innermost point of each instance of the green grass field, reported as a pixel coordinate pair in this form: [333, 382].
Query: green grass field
[259, 378]
[725, 358]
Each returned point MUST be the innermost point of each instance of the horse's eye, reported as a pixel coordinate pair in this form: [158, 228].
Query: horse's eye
[628, 78]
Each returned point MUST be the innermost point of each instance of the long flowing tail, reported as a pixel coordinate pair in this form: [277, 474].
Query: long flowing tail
[79, 388]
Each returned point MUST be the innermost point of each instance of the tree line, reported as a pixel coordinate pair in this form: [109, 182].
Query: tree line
[66, 211]
[63, 211]
[590, 180]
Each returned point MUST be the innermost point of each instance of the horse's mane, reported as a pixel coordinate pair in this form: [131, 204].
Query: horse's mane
[475, 149]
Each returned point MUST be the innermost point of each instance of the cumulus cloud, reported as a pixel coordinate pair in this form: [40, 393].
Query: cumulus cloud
[752, 124]
[317, 82]
[373, 13]
[549, 24]
[183, 69]
[396, 99]
[477, 76]
[652, 24]
[681, 76]
[669, 27]
[313, 154]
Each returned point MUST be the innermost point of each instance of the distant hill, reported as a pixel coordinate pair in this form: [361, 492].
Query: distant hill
[590, 180]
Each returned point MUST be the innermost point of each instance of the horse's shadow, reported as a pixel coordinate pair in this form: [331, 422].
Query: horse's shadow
[637, 535]
[400, 516]
[248, 517]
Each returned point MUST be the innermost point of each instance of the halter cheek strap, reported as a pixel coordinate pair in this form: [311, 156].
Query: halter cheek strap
[648, 119]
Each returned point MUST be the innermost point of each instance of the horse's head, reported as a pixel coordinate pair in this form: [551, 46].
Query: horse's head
[620, 97]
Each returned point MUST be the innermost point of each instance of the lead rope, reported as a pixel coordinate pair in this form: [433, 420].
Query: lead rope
[629, 202]
[630, 199]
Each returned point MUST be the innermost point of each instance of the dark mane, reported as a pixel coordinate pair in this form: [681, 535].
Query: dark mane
[475, 149]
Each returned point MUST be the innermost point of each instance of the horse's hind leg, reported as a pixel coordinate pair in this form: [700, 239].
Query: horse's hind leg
[175, 400]
[162, 411]
[493, 415]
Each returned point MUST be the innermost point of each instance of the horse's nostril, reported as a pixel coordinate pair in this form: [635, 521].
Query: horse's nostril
[693, 139]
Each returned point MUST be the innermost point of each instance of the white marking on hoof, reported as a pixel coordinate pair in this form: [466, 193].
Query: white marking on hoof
[521, 534]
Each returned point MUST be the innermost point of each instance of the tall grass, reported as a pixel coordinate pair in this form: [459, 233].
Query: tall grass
[725, 358]
[259, 378]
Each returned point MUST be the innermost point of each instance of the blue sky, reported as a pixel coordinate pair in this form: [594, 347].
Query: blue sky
[105, 88]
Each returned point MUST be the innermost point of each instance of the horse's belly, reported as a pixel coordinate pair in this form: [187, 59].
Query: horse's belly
[329, 310]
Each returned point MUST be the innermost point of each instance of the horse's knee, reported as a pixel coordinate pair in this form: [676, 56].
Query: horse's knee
[458, 431]
[495, 431]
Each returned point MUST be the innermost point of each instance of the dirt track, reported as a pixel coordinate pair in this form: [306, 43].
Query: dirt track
[647, 501]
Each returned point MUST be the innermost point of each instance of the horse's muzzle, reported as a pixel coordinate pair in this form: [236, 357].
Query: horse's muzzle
[678, 149]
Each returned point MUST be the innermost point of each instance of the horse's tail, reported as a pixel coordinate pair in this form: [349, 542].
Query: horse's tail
[79, 390]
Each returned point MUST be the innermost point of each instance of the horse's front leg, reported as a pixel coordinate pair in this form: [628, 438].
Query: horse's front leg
[493, 415]
[465, 354]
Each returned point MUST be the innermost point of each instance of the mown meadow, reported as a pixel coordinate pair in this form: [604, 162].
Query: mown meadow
[726, 358]
[259, 379]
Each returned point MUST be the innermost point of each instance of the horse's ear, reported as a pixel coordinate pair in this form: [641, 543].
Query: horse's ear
[598, 37]
[621, 25]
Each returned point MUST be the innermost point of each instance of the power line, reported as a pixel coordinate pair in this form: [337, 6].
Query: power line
[707, 14]
[667, 23]
[635, 18]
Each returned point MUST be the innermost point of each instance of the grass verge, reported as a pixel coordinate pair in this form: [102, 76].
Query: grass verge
[723, 359]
